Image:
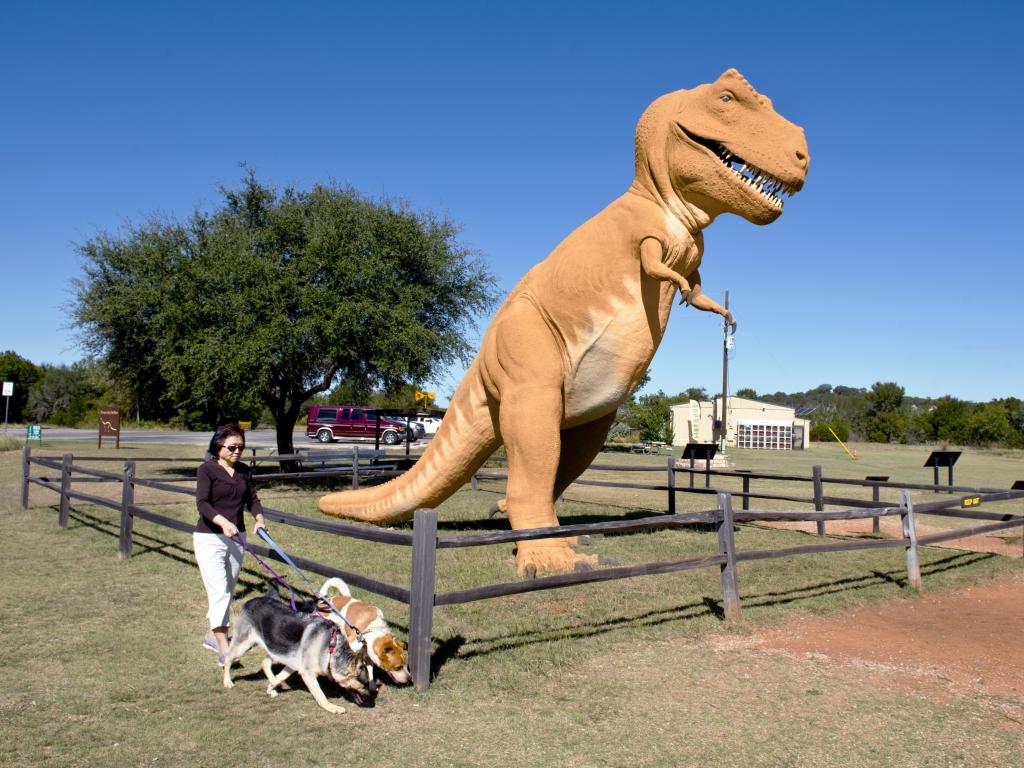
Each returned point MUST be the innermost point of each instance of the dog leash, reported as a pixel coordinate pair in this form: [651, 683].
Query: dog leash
[263, 534]
[269, 570]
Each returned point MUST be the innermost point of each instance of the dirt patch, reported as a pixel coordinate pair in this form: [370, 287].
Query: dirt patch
[969, 638]
[995, 542]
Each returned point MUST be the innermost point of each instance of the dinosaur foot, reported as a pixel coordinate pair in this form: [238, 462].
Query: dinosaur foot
[534, 558]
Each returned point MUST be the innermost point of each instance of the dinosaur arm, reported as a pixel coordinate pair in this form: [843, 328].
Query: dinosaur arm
[651, 253]
[700, 300]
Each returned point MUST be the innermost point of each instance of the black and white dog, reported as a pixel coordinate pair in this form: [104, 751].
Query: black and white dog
[303, 643]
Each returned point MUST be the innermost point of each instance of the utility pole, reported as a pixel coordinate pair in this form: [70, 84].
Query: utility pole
[725, 379]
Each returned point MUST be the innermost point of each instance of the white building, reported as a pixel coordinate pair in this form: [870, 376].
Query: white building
[749, 424]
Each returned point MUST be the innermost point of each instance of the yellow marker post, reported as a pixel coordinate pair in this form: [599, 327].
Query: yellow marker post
[852, 455]
[425, 397]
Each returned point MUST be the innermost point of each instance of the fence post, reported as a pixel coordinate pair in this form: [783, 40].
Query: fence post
[672, 485]
[819, 494]
[727, 547]
[421, 595]
[355, 467]
[746, 489]
[124, 546]
[910, 537]
[474, 483]
[65, 486]
[876, 499]
[26, 472]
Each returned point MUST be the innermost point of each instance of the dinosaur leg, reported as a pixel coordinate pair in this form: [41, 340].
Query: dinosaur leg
[579, 447]
[530, 369]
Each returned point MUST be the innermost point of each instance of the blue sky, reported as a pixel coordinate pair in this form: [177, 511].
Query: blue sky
[901, 260]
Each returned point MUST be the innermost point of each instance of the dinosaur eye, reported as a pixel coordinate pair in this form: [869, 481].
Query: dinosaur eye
[726, 97]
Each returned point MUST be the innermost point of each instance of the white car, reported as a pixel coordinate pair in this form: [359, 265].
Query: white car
[429, 423]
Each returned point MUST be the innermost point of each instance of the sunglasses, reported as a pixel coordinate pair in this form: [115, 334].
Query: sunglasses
[233, 448]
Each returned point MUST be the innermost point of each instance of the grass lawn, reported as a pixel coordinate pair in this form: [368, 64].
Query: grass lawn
[103, 663]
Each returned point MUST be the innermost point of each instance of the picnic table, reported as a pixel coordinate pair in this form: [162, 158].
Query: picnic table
[651, 447]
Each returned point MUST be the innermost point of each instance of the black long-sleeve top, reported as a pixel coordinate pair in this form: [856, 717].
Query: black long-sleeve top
[218, 493]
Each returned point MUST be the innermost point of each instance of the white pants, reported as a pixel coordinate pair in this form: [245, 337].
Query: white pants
[220, 562]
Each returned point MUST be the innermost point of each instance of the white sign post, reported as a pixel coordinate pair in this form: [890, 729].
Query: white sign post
[8, 391]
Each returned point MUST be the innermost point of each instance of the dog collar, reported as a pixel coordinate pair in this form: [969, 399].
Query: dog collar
[334, 641]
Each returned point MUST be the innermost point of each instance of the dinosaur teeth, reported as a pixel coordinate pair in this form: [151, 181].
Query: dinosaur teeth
[767, 185]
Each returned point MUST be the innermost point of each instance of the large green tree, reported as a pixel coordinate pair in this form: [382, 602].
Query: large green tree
[650, 416]
[886, 422]
[275, 297]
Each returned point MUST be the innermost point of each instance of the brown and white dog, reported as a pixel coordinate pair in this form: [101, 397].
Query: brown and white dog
[387, 652]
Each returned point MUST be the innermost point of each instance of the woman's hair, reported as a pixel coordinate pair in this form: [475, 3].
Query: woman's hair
[221, 436]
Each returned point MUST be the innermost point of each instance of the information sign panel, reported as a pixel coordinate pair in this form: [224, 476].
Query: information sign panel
[946, 459]
[110, 425]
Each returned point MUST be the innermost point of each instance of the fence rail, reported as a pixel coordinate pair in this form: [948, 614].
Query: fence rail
[422, 597]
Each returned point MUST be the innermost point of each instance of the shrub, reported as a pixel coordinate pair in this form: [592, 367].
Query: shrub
[820, 433]
[9, 443]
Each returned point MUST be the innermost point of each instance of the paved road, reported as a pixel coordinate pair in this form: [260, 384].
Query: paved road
[260, 438]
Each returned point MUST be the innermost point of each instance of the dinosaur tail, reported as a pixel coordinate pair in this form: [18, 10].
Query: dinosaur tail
[466, 437]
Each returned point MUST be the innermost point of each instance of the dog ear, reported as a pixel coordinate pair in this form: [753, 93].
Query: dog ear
[395, 654]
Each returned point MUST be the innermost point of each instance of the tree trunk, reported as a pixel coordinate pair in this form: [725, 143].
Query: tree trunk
[285, 427]
[284, 421]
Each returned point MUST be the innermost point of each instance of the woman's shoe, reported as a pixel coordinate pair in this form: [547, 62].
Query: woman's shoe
[211, 643]
[220, 659]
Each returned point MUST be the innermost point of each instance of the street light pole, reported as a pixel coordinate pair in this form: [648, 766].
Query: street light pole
[725, 379]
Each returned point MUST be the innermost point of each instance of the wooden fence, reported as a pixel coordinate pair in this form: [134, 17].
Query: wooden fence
[422, 596]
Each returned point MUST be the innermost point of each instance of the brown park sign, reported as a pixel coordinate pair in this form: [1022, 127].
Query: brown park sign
[110, 426]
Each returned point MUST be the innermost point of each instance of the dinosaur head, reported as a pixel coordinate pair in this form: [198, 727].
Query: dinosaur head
[719, 148]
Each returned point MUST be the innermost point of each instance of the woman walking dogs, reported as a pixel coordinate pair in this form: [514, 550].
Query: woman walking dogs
[224, 489]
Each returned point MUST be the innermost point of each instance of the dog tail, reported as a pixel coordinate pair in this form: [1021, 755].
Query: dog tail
[335, 583]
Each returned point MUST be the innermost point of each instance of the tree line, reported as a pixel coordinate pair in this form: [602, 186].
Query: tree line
[885, 414]
[61, 395]
[71, 396]
[881, 414]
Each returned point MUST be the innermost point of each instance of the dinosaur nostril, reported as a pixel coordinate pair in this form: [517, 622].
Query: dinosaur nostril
[801, 156]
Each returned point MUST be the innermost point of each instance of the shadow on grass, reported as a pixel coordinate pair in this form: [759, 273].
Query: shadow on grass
[461, 648]
[251, 581]
[294, 684]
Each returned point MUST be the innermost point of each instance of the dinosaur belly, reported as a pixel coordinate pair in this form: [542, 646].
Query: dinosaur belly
[607, 369]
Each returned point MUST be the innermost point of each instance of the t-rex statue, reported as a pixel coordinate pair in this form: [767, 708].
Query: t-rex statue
[575, 336]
